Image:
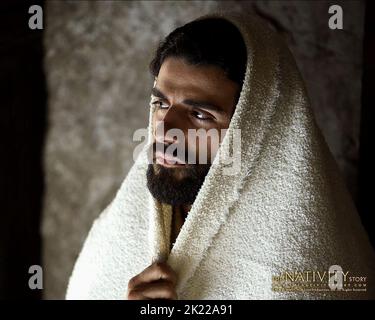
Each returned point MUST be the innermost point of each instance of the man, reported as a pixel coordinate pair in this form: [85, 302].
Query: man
[198, 231]
[199, 69]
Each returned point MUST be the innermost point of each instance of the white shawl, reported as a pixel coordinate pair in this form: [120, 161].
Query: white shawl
[286, 210]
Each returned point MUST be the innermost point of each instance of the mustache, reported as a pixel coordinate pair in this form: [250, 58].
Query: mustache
[171, 149]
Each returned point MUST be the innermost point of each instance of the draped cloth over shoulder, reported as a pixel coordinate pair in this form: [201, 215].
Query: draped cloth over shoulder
[285, 210]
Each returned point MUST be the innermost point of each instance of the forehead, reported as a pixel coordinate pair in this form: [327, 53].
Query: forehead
[177, 77]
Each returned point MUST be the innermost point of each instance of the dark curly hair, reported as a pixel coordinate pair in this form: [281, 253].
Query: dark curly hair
[211, 41]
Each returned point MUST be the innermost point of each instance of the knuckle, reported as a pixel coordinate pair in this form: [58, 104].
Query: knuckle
[135, 294]
[131, 295]
[161, 269]
[131, 282]
[165, 271]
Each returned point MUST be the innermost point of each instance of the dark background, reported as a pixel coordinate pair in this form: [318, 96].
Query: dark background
[22, 129]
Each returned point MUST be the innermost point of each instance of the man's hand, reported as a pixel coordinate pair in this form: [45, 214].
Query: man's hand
[158, 281]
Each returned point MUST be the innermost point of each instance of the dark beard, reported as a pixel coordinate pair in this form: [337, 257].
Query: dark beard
[176, 186]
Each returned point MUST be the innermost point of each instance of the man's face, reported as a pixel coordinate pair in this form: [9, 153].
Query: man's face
[187, 97]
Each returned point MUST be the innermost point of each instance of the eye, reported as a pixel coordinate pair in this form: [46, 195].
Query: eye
[201, 116]
[159, 104]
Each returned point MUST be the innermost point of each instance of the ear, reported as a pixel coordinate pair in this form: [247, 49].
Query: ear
[156, 79]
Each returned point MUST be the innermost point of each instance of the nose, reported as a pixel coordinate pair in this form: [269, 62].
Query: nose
[172, 120]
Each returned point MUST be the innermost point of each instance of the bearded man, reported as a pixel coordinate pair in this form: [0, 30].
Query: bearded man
[182, 230]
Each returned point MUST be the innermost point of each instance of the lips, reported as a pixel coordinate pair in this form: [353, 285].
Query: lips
[166, 159]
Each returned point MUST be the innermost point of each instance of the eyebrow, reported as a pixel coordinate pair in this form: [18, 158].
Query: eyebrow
[157, 93]
[190, 102]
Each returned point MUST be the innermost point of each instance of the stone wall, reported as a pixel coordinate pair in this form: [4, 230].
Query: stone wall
[97, 56]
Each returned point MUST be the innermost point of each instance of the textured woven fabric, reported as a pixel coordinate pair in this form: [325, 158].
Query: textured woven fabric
[286, 209]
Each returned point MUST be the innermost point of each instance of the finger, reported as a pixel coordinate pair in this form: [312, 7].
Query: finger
[136, 295]
[156, 271]
[154, 290]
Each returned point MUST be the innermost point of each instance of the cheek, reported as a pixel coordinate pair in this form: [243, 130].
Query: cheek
[153, 124]
[212, 146]
[206, 146]
[213, 142]
[157, 115]
[156, 121]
